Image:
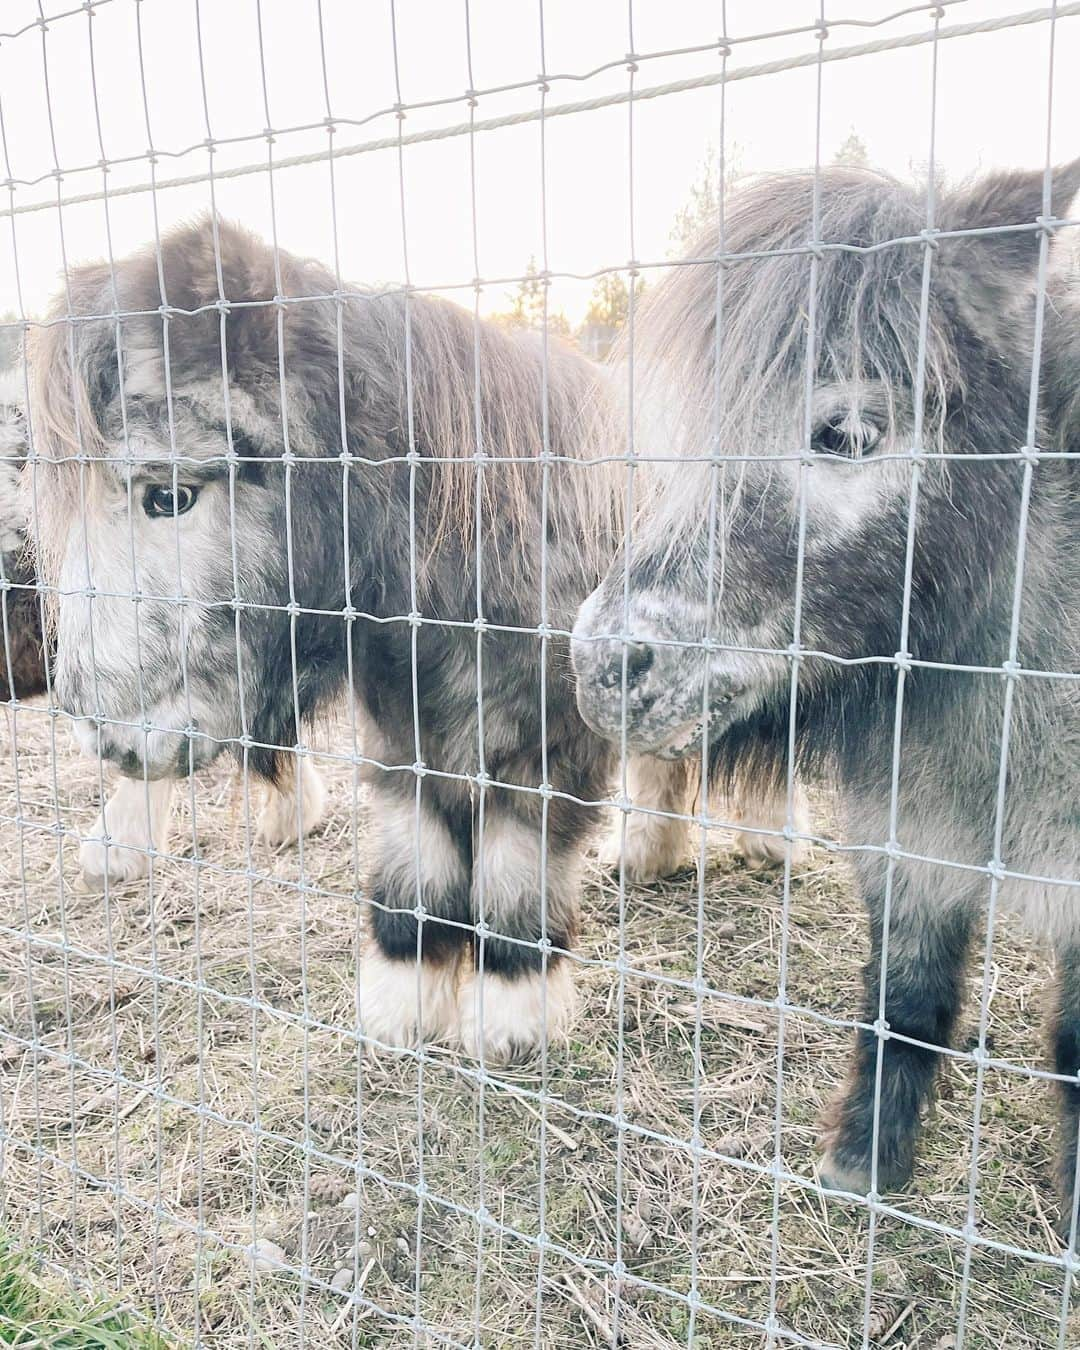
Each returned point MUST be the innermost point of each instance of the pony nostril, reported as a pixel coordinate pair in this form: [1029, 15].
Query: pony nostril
[639, 659]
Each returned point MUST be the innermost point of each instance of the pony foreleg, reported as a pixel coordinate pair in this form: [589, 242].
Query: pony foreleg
[654, 841]
[133, 822]
[927, 945]
[408, 972]
[520, 994]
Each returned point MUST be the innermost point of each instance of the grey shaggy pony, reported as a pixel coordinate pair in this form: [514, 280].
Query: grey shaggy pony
[267, 492]
[807, 383]
[135, 819]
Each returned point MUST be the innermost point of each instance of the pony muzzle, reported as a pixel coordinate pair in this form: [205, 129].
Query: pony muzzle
[657, 690]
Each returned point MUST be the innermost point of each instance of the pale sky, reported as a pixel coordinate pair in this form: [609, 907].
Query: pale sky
[991, 111]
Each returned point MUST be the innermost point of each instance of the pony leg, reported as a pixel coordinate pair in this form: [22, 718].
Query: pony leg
[408, 974]
[516, 999]
[135, 820]
[1065, 1043]
[653, 846]
[927, 945]
[764, 806]
[293, 806]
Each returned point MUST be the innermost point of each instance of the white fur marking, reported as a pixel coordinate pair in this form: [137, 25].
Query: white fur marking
[131, 831]
[404, 1002]
[278, 820]
[437, 858]
[510, 1019]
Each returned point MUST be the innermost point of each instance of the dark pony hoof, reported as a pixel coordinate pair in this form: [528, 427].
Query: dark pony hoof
[838, 1173]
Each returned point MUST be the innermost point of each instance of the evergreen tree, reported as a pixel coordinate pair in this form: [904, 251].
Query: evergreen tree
[527, 308]
[609, 304]
[853, 152]
[701, 210]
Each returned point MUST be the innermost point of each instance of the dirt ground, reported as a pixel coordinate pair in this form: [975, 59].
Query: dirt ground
[181, 1082]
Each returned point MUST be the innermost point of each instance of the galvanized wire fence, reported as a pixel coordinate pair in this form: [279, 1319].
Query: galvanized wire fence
[438, 1280]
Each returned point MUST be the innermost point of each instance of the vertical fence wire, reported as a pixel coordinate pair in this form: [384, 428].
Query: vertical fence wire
[107, 899]
[1011, 670]
[242, 702]
[902, 669]
[480, 455]
[62, 889]
[545, 783]
[714, 592]
[805, 468]
[419, 767]
[288, 461]
[351, 692]
[13, 714]
[619, 1265]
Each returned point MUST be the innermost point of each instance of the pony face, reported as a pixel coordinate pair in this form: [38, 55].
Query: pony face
[787, 438]
[167, 557]
[188, 500]
[166, 454]
[706, 585]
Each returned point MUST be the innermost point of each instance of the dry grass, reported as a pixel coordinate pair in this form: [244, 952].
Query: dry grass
[245, 1112]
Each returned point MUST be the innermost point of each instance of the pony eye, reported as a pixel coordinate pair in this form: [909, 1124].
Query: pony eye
[159, 500]
[844, 439]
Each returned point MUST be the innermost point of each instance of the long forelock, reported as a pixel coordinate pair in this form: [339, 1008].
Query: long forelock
[724, 351]
[67, 443]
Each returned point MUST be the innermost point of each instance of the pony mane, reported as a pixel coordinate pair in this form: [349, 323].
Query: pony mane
[414, 374]
[714, 337]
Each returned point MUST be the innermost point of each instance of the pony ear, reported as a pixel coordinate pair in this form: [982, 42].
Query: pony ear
[993, 273]
[1009, 197]
[214, 261]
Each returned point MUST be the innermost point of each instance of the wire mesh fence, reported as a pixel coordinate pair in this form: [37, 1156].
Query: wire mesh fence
[389, 612]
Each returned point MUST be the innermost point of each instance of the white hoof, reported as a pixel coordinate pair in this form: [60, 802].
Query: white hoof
[653, 848]
[769, 850]
[511, 1019]
[279, 820]
[765, 846]
[834, 1177]
[135, 820]
[405, 1002]
[114, 864]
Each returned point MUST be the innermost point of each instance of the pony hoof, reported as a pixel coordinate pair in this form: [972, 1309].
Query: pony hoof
[404, 1003]
[279, 820]
[116, 865]
[503, 1020]
[834, 1176]
[648, 855]
[856, 1177]
[1068, 1205]
[769, 850]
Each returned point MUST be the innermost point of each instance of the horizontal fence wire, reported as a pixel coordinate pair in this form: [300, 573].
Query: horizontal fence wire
[550, 111]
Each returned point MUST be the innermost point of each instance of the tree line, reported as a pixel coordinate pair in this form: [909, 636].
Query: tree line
[609, 304]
